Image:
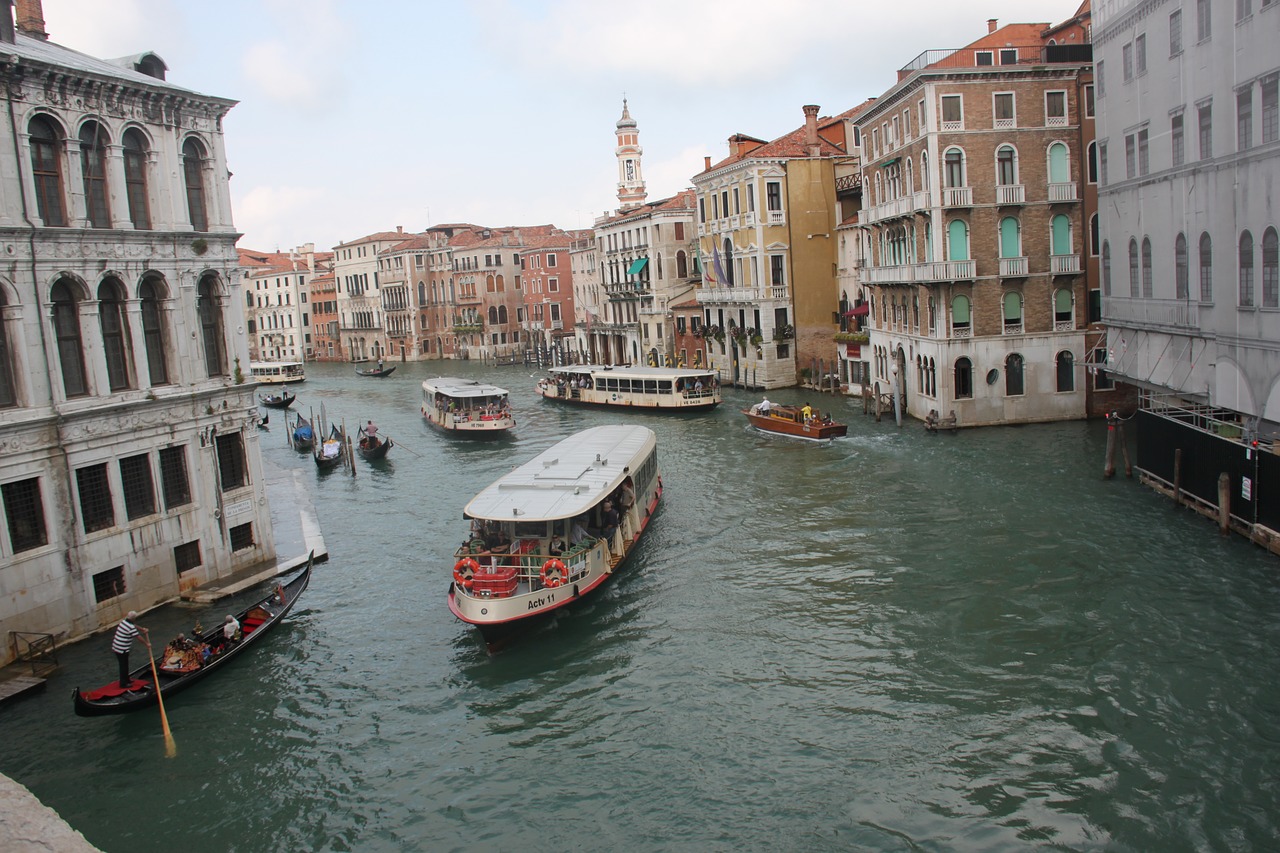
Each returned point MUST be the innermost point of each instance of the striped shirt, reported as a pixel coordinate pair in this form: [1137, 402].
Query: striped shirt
[126, 631]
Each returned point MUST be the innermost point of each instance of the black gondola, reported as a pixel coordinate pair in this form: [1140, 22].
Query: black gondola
[379, 372]
[179, 669]
[302, 436]
[331, 452]
[282, 400]
[264, 420]
[373, 448]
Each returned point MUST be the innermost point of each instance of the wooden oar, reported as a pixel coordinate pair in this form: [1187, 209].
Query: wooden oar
[170, 747]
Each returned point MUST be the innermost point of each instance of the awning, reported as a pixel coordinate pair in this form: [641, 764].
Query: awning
[858, 310]
[636, 266]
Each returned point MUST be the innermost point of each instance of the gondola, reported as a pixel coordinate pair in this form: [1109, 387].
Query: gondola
[371, 447]
[179, 669]
[283, 400]
[264, 420]
[380, 372]
[302, 436]
[331, 452]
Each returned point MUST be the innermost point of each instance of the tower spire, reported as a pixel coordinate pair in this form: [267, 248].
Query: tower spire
[631, 191]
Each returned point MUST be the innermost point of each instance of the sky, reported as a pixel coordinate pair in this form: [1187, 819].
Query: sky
[358, 116]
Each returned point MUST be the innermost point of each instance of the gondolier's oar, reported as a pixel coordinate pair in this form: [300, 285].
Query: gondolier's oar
[170, 747]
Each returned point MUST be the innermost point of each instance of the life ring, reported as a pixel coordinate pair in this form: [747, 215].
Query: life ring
[560, 570]
[464, 571]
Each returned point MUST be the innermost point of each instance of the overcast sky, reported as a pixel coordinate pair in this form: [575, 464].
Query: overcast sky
[356, 116]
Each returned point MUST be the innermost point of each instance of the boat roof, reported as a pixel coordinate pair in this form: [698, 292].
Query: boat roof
[453, 387]
[567, 479]
[638, 371]
[254, 364]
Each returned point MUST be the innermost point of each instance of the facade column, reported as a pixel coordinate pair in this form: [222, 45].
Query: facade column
[78, 209]
[137, 344]
[117, 192]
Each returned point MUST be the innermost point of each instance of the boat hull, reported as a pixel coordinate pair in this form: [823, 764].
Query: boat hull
[468, 428]
[794, 429]
[591, 397]
[285, 401]
[376, 373]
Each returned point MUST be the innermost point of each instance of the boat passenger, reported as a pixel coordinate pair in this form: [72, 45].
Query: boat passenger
[578, 531]
[807, 412]
[765, 406]
[230, 629]
[555, 547]
[608, 521]
[371, 432]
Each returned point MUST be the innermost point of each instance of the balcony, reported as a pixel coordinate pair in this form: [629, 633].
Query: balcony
[1011, 194]
[890, 275]
[1151, 313]
[775, 217]
[1064, 264]
[957, 197]
[1063, 191]
[1013, 327]
[1013, 267]
[945, 271]
[741, 294]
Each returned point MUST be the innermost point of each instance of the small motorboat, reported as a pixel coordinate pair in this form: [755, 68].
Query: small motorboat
[791, 421]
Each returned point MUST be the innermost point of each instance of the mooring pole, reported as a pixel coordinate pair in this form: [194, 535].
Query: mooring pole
[1109, 468]
[1224, 503]
[1177, 477]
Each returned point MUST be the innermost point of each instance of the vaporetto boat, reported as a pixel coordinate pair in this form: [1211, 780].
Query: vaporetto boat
[546, 535]
[466, 407]
[635, 387]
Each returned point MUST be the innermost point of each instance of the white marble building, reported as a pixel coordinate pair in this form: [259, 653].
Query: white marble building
[129, 457]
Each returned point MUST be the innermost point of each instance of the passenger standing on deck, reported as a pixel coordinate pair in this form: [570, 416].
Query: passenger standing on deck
[371, 430]
[126, 632]
[807, 412]
[230, 628]
[608, 522]
[765, 406]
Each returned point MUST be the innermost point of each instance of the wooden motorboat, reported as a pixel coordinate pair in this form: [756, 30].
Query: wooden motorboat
[555, 529]
[283, 400]
[302, 436]
[179, 668]
[790, 421]
[379, 372]
[371, 447]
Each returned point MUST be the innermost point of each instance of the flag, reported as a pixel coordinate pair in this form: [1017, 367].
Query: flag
[715, 257]
[708, 277]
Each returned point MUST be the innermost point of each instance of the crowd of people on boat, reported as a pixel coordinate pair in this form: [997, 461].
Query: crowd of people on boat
[487, 409]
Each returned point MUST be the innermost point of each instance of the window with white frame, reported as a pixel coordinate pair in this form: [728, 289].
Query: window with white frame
[1008, 56]
[952, 112]
[1055, 109]
[1175, 32]
[984, 57]
[1003, 109]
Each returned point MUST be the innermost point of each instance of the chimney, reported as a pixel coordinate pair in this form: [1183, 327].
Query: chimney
[6, 22]
[992, 25]
[706, 163]
[30, 19]
[811, 128]
[399, 229]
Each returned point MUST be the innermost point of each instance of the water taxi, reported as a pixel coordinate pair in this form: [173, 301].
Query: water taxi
[635, 387]
[277, 372]
[556, 528]
[467, 407]
[793, 421]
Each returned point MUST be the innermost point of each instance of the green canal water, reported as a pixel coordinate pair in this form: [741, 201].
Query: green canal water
[899, 641]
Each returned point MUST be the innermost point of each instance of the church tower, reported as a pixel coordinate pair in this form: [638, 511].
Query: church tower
[631, 192]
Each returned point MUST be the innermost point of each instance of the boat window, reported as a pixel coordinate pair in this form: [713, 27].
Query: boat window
[611, 384]
[651, 386]
[600, 384]
[530, 529]
[664, 386]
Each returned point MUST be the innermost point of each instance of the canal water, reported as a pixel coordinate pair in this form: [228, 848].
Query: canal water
[898, 641]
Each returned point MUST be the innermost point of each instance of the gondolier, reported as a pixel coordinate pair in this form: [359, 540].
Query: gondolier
[126, 632]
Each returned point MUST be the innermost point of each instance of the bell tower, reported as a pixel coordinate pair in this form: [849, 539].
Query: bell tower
[631, 192]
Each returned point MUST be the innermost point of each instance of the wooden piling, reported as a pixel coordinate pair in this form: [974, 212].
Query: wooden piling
[1109, 467]
[1177, 477]
[1224, 503]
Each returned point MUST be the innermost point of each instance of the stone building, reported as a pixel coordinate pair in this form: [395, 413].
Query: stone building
[130, 468]
[361, 322]
[975, 231]
[277, 291]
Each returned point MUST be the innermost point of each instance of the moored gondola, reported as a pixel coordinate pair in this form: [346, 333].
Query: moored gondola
[302, 436]
[331, 452]
[283, 400]
[180, 667]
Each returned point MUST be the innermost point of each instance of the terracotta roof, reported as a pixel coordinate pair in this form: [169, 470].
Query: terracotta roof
[377, 237]
[789, 146]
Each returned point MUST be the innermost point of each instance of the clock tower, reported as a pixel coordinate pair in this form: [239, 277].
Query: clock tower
[631, 192]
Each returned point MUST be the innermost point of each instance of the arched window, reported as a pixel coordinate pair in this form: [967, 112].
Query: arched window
[502, 315]
[1181, 275]
[960, 316]
[1106, 268]
[1246, 269]
[1270, 269]
[728, 261]
[153, 331]
[490, 285]
[115, 333]
[66, 297]
[46, 169]
[493, 315]
[953, 163]
[957, 240]
[1059, 164]
[964, 379]
[910, 177]
[502, 283]
[209, 309]
[1093, 235]
[1206, 268]
[924, 170]
[682, 265]
[1093, 162]
[135, 179]
[1006, 165]
[8, 391]
[1134, 270]
[1066, 371]
[1063, 307]
[93, 167]
[1013, 380]
[1147, 286]
[1060, 235]
[193, 176]
[1011, 305]
[1010, 238]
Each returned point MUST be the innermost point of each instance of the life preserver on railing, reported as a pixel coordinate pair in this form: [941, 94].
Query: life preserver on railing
[554, 573]
[464, 571]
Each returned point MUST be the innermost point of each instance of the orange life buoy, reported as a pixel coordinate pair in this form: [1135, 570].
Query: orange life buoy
[464, 571]
[560, 576]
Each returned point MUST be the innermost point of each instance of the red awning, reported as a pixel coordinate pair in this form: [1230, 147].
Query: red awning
[858, 310]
